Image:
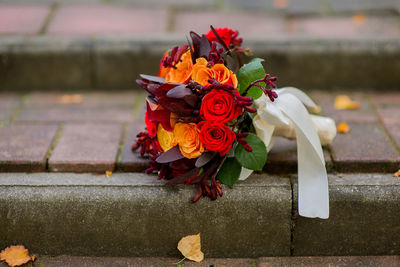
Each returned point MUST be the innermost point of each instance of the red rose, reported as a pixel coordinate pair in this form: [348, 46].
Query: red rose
[216, 136]
[219, 105]
[228, 35]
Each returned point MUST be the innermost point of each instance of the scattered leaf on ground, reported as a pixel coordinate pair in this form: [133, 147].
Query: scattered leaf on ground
[359, 19]
[108, 173]
[281, 3]
[343, 128]
[344, 102]
[190, 247]
[396, 174]
[16, 255]
[71, 99]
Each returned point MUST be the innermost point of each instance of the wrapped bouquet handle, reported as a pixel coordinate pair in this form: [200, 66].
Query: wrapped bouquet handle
[287, 112]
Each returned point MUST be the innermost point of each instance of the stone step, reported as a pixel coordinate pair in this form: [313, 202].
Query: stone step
[106, 63]
[76, 261]
[134, 215]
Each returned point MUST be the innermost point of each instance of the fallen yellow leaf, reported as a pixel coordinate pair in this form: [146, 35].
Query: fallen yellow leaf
[344, 102]
[190, 247]
[108, 173]
[396, 174]
[343, 128]
[359, 19]
[315, 109]
[71, 99]
[16, 255]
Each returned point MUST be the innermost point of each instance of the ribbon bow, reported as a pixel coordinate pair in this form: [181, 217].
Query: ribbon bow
[286, 113]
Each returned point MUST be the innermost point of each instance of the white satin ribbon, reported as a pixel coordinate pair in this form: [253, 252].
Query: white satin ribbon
[288, 112]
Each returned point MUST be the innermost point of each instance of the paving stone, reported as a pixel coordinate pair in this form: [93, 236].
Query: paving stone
[366, 148]
[326, 101]
[132, 161]
[86, 148]
[363, 219]
[22, 19]
[103, 217]
[242, 21]
[347, 26]
[106, 19]
[119, 99]
[72, 114]
[385, 99]
[330, 261]
[283, 157]
[226, 262]
[23, 148]
[8, 104]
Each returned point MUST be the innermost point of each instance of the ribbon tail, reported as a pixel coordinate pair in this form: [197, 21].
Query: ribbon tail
[313, 197]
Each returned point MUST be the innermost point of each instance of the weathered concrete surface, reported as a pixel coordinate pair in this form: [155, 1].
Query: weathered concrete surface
[48, 63]
[350, 261]
[364, 218]
[134, 215]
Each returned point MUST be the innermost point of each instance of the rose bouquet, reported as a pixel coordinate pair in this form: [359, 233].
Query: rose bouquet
[211, 119]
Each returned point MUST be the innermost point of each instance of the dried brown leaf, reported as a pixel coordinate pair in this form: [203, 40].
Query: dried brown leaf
[16, 255]
[71, 99]
[190, 247]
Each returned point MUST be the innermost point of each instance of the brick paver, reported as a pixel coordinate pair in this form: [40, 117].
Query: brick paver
[86, 148]
[72, 114]
[8, 104]
[243, 21]
[388, 108]
[22, 19]
[81, 100]
[326, 101]
[345, 26]
[106, 19]
[365, 148]
[131, 161]
[23, 148]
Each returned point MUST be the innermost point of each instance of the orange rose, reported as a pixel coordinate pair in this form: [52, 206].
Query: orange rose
[183, 70]
[186, 135]
[201, 73]
[165, 138]
[163, 70]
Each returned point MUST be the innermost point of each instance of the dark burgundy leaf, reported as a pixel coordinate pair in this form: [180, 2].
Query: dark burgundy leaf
[183, 164]
[205, 158]
[153, 78]
[205, 47]
[150, 98]
[191, 100]
[170, 155]
[168, 86]
[196, 45]
[191, 50]
[179, 92]
[182, 178]
[175, 105]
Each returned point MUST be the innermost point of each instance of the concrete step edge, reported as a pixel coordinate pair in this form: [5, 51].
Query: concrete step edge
[133, 215]
[59, 63]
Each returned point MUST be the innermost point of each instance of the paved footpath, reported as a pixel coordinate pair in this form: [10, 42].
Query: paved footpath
[93, 132]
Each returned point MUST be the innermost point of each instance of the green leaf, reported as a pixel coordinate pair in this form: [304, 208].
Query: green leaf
[248, 73]
[254, 160]
[229, 172]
